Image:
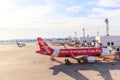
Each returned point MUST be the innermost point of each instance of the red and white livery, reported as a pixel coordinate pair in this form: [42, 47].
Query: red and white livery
[84, 54]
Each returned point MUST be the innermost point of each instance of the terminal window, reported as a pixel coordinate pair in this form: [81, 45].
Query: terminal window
[108, 43]
[112, 43]
[118, 49]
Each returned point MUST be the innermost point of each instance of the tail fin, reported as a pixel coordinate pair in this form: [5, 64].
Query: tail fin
[44, 48]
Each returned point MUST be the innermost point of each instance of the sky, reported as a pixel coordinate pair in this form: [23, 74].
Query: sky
[21, 19]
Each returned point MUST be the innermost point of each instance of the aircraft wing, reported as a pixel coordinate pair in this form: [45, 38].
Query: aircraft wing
[89, 59]
[81, 56]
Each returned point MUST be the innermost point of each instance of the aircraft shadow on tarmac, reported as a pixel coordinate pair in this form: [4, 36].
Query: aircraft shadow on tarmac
[73, 70]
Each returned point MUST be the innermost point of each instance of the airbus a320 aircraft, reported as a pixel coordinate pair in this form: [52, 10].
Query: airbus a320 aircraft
[84, 54]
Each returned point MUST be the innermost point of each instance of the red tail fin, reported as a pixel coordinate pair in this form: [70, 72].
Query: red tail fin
[44, 48]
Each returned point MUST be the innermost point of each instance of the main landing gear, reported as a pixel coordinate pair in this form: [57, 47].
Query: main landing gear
[82, 60]
[67, 62]
[79, 61]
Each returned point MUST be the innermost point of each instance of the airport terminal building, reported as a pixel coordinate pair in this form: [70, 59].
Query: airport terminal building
[102, 41]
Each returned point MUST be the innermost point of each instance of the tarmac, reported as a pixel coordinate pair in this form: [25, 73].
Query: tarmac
[22, 63]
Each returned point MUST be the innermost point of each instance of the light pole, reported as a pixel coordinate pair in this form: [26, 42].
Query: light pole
[75, 37]
[83, 32]
[107, 26]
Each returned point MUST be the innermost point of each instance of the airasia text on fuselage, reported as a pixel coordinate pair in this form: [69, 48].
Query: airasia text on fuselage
[81, 50]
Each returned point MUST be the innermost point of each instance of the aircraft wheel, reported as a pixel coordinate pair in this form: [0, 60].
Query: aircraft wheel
[104, 59]
[78, 61]
[67, 62]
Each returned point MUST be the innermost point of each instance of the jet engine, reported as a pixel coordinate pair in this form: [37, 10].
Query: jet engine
[91, 59]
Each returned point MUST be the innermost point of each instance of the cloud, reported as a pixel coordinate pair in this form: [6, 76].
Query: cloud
[34, 13]
[5, 4]
[19, 16]
[109, 3]
[103, 13]
[74, 9]
[6, 10]
[53, 18]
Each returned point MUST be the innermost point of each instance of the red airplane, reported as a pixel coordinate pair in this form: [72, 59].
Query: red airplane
[80, 54]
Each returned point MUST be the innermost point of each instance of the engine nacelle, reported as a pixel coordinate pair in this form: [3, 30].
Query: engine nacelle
[91, 59]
